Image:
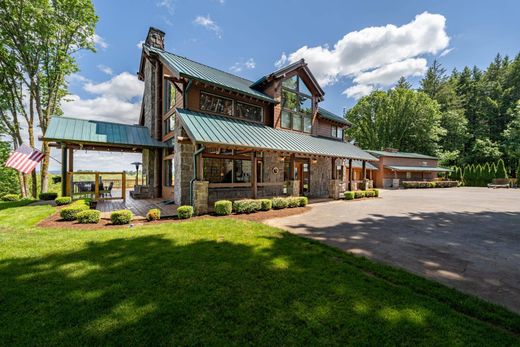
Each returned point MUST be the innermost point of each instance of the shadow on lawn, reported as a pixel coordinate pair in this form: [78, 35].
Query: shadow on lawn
[148, 290]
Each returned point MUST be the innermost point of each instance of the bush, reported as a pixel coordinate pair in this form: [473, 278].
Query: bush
[303, 201]
[48, 196]
[376, 192]
[293, 201]
[69, 213]
[88, 217]
[370, 193]
[501, 170]
[121, 217]
[11, 197]
[358, 194]
[349, 195]
[153, 214]
[185, 212]
[223, 207]
[279, 203]
[247, 206]
[446, 184]
[265, 204]
[64, 200]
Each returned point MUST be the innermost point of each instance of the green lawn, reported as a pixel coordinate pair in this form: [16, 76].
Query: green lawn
[219, 282]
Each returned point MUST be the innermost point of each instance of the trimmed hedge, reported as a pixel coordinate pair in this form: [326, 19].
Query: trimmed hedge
[247, 206]
[88, 217]
[69, 213]
[436, 184]
[223, 207]
[64, 200]
[376, 192]
[446, 184]
[121, 217]
[48, 196]
[293, 201]
[153, 214]
[349, 195]
[185, 212]
[370, 193]
[358, 194]
[279, 203]
[11, 197]
[303, 201]
[265, 204]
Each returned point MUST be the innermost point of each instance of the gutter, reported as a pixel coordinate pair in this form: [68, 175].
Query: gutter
[197, 153]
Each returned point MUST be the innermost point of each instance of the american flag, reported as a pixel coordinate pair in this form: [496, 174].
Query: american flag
[24, 159]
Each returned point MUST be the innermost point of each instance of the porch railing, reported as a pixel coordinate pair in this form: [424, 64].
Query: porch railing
[100, 188]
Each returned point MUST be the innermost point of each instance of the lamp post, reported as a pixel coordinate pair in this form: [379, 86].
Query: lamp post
[137, 164]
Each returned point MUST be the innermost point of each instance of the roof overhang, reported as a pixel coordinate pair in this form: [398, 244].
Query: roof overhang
[417, 168]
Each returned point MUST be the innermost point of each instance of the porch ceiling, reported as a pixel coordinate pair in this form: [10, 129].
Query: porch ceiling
[218, 130]
[81, 131]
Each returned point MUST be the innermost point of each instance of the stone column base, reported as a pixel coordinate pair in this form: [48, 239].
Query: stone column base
[200, 197]
[293, 188]
[335, 188]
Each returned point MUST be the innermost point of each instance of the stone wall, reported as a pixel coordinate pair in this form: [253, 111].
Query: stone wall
[321, 173]
[183, 169]
[200, 197]
[272, 161]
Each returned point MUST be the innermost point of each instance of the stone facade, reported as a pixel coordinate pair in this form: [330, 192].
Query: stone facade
[200, 197]
[273, 173]
[293, 188]
[335, 189]
[321, 173]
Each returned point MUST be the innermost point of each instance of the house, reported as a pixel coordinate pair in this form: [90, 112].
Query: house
[395, 167]
[212, 135]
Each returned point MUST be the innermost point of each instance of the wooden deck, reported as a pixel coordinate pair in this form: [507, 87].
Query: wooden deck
[138, 207]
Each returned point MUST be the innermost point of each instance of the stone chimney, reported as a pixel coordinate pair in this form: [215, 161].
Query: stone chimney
[155, 38]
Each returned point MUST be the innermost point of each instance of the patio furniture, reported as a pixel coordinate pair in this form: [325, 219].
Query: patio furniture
[106, 192]
[499, 183]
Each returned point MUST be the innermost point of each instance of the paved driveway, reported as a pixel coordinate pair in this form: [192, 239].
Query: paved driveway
[468, 238]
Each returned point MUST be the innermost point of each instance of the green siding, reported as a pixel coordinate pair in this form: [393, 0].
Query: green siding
[211, 129]
[64, 129]
[417, 168]
[401, 155]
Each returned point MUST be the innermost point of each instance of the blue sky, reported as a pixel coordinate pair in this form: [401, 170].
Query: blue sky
[387, 37]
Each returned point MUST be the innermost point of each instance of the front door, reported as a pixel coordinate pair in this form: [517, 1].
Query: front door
[302, 174]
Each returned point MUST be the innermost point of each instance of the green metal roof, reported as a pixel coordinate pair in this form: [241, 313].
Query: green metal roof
[191, 69]
[400, 154]
[331, 116]
[64, 129]
[211, 129]
[417, 168]
[358, 164]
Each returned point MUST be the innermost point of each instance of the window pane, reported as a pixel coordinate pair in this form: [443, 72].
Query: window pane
[242, 171]
[333, 131]
[289, 100]
[339, 133]
[297, 122]
[213, 103]
[169, 96]
[307, 123]
[248, 111]
[305, 104]
[168, 173]
[218, 170]
[302, 88]
[290, 82]
[286, 120]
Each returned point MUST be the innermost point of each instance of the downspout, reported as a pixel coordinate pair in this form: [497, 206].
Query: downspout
[197, 152]
[185, 95]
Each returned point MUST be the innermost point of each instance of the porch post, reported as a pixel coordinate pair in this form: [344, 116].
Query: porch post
[291, 167]
[364, 170]
[253, 174]
[71, 169]
[334, 172]
[63, 169]
[350, 174]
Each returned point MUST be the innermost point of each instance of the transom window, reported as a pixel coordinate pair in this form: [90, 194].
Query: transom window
[229, 107]
[296, 105]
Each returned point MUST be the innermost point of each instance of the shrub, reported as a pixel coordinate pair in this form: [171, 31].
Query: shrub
[376, 192]
[279, 203]
[349, 195]
[88, 217]
[265, 204]
[223, 207]
[293, 201]
[48, 196]
[501, 170]
[64, 200]
[446, 184]
[153, 214]
[185, 211]
[11, 197]
[370, 193]
[358, 194]
[247, 206]
[121, 217]
[303, 201]
[69, 213]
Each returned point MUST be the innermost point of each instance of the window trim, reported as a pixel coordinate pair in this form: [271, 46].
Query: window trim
[233, 158]
[233, 107]
[167, 82]
[247, 103]
[299, 112]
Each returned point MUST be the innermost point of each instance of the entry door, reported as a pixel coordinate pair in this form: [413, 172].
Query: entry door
[302, 173]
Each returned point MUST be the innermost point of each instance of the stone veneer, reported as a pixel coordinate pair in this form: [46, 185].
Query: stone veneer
[200, 197]
[335, 189]
[321, 173]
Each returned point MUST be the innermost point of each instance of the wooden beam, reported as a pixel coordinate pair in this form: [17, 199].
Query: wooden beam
[350, 174]
[253, 174]
[334, 172]
[63, 169]
[364, 168]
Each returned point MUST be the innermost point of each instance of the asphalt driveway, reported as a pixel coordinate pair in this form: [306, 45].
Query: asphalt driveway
[468, 238]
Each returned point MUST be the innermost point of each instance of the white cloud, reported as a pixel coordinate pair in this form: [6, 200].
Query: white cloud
[209, 24]
[249, 64]
[281, 62]
[140, 44]
[105, 69]
[388, 74]
[445, 52]
[168, 5]
[358, 91]
[377, 49]
[99, 41]
[124, 86]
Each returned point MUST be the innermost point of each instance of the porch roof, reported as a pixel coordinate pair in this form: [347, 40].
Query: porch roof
[218, 130]
[417, 168]
[357, 164]
[82, 131]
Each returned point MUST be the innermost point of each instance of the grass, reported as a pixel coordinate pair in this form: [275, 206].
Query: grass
[219, 282]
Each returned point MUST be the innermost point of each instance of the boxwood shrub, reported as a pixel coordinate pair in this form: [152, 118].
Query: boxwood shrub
[48, 196]
[185, 211]
[370, 193]
[88, 217]
[11, 197]
[279, 203]
[423, 184]
[358, 194]
[69, 213]
[376, 192]
[303, 201]
[121, 217]
[64, 200]
[293, 201]
[265, 204]
[247, 206]
[349, 195]
[223, 207]
[153, 214]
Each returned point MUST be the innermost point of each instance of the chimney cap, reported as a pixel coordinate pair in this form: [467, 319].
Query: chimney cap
[155, 38]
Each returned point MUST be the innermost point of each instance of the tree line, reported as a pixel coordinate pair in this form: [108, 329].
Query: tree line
[466, 117]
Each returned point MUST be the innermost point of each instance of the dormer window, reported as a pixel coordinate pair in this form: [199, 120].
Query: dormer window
[296, 105]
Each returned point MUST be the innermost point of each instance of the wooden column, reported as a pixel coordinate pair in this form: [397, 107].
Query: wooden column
[291, 167]
[70, 169]
[123, 186]
[350, 174]
[96, 185]
[63, 169]
[364, 168]
[334, 172]
[253, 175]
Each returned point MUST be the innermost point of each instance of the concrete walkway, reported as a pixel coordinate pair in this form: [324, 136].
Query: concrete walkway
[468, 238]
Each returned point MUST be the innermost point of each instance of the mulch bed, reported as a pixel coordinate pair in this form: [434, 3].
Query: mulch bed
[55, 221]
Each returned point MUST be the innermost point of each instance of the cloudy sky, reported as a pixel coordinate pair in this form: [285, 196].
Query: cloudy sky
[352, 47]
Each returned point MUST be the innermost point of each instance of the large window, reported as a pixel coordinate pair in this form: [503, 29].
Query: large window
[248, 111]
[224, 170]
[216, 104]
[169, 96]
[168, 173]
[296, 105]
[336, 132]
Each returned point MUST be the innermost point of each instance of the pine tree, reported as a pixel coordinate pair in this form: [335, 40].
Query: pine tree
[493, 171]
[403, 83]
[488, 175]
[479, 173]
[518, 171]
[501, 170]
